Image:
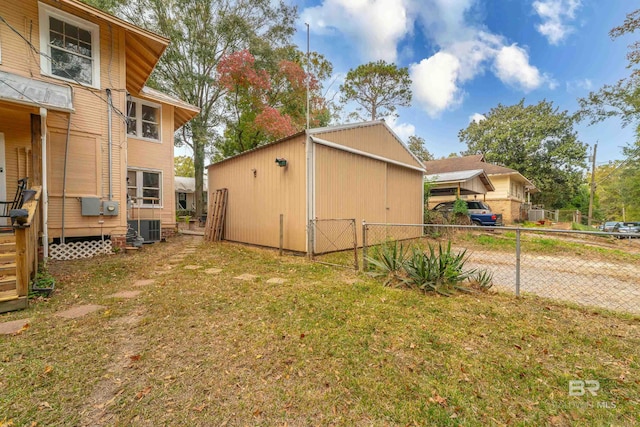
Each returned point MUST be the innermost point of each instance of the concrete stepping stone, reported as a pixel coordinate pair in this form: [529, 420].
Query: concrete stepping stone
[277, 280]
[125, 294]
[15, 326]
[192, 267]
[144, 282]
[79, 311]
[246, 277]
[213, 270]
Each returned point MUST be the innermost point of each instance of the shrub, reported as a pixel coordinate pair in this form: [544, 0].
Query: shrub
[482, 279]
[388, 261]
[460, 207]
[440, 271]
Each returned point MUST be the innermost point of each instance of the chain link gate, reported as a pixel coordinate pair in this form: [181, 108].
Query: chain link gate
[334, 242]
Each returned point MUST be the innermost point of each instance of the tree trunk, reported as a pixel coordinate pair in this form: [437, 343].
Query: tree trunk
[199, 142]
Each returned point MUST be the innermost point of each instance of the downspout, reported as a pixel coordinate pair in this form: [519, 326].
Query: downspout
[110, 141]
[64, 176]
[45, 193]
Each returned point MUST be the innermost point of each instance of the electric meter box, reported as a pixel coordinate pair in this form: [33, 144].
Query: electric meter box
[110, 208]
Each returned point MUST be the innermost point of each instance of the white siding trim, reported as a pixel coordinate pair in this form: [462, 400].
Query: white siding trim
[363, 153]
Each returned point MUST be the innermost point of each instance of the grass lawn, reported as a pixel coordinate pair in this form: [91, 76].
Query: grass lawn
[328, 347]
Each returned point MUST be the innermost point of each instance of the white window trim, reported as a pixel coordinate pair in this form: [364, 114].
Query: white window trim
[139, 172]
[44, 12]
[139, 103]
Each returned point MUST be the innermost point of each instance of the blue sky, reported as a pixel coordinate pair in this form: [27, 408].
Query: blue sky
[466, 56]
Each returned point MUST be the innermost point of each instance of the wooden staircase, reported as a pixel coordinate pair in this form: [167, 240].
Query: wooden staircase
[9, 299]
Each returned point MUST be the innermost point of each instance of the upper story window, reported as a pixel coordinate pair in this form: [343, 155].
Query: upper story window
[143, 119]
[70, 47]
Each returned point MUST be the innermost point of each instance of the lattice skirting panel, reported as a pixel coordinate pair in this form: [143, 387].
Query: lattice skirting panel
[77, 250]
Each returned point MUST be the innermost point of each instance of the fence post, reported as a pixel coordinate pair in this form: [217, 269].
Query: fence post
[310, 243]
[281, 232]
[518, 262]
[355, 245]
[365, 265]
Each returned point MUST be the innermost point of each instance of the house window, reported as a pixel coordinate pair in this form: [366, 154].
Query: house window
[143, 119]
[144, 187]
[70, 47]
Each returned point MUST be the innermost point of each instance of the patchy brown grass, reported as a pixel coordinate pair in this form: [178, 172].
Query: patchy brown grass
[328, 347]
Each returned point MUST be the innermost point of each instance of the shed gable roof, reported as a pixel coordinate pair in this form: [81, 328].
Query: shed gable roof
[342, 134]
[375, 137]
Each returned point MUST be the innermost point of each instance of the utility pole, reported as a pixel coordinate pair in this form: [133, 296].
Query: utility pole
[307, 79]
[593, 182]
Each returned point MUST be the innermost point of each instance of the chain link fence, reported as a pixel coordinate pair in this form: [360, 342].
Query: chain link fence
[334, 242]
[582, 267]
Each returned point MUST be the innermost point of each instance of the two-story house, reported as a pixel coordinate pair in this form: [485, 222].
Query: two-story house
[77, 118]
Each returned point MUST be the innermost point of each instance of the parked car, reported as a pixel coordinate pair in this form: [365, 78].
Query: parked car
[479, 212]
[630, 228]
[608, 226]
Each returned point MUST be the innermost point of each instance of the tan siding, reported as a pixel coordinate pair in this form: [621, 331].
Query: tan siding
[157, 156]
[255, 203]
[404, 196]
[349, 186]
[501, 184]
[375, 139]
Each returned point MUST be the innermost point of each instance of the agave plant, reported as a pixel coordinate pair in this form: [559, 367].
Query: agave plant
[440, 272]
[482, 278]
[387, 260]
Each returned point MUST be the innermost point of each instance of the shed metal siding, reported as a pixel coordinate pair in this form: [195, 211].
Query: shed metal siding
[353, 186]
[375, 139]
[256, 202]
[404, 197]
[349, 186]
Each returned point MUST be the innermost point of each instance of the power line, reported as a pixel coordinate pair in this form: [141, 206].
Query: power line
[35, 49]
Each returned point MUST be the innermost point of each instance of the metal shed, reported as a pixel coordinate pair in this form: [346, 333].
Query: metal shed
[361, 171]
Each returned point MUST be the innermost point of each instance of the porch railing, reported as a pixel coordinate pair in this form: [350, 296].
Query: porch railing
[27, 244]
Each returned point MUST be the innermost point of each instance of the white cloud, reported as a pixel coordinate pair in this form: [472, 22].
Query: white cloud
[435, 82]
[376, 26]
[403, 130]
[476, 118]
[512, 67]
[555, 16]
[463, 48]
[579, 85]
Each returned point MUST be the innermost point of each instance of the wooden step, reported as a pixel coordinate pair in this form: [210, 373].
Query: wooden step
[8, 283]
[8, 269]
[7, 238]
[7, 247]
[10, 301]
[8, 258]
[8, 295]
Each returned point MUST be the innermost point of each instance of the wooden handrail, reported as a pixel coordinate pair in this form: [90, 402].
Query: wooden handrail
[31, 207]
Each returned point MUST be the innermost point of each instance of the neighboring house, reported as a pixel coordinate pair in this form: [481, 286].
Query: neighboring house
[185, 188]
[77, 118]
[511, 190]
[361, 171]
